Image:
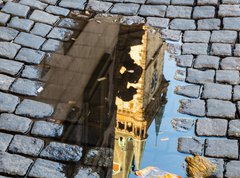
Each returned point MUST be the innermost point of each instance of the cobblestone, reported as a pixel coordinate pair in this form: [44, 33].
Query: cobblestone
[57, 10]
[201, 12]
[217, 91]
[211, 127]
[30, 56]
[190, 145]
[29, 40]
[224, 36]
[158, 22]
[8, 102]
[179, 12]
[8, 50]
[173, 35]
[47, 129]
[182, 24]
[165, 2]
[26, 87]
[14, 164]
[196, 36]
[10, 67]
[5, 82]
[35, 4]
[32, 72]
[84, 172]
[14, 123]
[53, 2]
[152, 10]
[234, 129]
[236, 93]
[73, 4]
[220, 49]
[44, 17]
[188, 90]
[206, 62]
[229, 11]
[132, 20]
[209, 24]
[16, 9]
[221, 148]
[195, 48]
[60, 34]
[69, 24]
[5, 140]
[227, 76]
[184, 60]
[192, 107]
[62, 152]
[8, 34]
[232, 169]
[230, 63]
[182, 2]
[207, 2]
[45, 168]
[231, 23]
[4, 18]
[200, 77]
[222, 109]
[26, 145]
[125, 9]
[237, 50]
[52, 45]
[21, 24]
[34, 109]
[98, 6]
[41, 29]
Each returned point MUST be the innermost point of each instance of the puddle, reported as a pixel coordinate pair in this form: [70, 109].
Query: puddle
[112, 87]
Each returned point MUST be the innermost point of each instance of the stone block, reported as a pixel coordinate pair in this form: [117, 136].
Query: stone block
[4, 18]
[183, 2]
[206, 62]
[52, 45]
[236, 93]
[41, 29]
[35, 4]
[157, 22]
[60, 34]
[57, 10]
[153, 10]
[125, 8]
[217, 91]
[221, 109]
[202, 12]
[184, 60]
[209, 24]
[228, 76]
[9, 50]
[30, 56]
[192, 107]
[21, 24]
[8, 102]
[224, 36]
[234, 128]
[165, 2]
[44, 17]
[73, 4]
[200, 77]
[132, 20]
[182, 24]
[190, 145]
[16, 9]
[220, 49]
[228, 10]
[231, 23]
[5, 82]
[232, 169]
[173, 35]
[207, 2]
[191, 91]
[8, 34]
[10, 67]
[179, 12]
[98, 6]
[196, 36]
[5, 140]
[195, 48]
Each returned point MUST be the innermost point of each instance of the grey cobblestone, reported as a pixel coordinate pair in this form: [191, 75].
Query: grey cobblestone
[30, 56]
[217, 91]
[229, 11]
[190, 145]
[195, 48]
[125, 8]
[205, 61]
[200, 77]
[53, 2]
[44, 17]
[16, 9]
[26, 145]
[60, 34]
[188, 90]
[234, 129]
[62, 152]
[196, 36]
[222, 109]
[152, 10]
[73, 4]
[230, 1]
[230, 63]
[34, 109]
[4, 18]
[224, 36]
[183, 2]
[236, 93]
[5, 140]
[236, 51]
[10, 67]
[47, 129]
[158, 22]
[182, 24]
[207, 2]
[8, 50]
[173, 35]
[5, 82]
[35, 4]
[232, 169]
[132, 20]
[192, 107]
[57, 10]
[8, 34]
[29, 40]
[211, 127]
[26, 87]
[33, 72]
[69, 24]
[41, 29]
[201, 12]
[21, 24]
[14, 164]
[98, 6]
[184, 60]
[220, 49]
[222, 148]
[8, 102]
[231, 23]
[165, 2]
[14, 123]
[209, 24]
[227, 76]
[45, 168]
[52, 45]
[179, 12]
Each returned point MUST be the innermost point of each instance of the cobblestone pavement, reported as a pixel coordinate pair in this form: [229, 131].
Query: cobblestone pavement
[210, 58]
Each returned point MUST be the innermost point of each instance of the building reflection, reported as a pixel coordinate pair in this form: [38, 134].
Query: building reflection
[143, 98]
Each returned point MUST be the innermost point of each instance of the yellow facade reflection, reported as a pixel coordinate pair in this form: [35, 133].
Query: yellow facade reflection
[136, 115]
